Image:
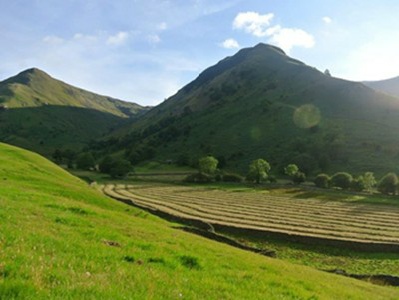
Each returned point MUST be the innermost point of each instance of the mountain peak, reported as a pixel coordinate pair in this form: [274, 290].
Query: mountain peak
[25, 77]
[34, 88]
[268, 47]
[32, 71]
[265, 55]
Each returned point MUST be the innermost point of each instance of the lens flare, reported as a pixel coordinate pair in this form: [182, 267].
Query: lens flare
[307, 116]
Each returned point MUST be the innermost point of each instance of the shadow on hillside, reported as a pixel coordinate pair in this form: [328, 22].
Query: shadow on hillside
[45, 128]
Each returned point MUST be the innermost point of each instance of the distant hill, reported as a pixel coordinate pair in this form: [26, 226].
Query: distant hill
[263, 103]
[389, 86]
[41, 113]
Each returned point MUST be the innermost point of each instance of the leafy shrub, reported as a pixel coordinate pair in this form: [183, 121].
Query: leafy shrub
[297, 176]
[357, 184]
[369, 181]
[232, 177]
[208, 165]
[322, 181]
[258, 170]
[342, 180]
[291, 170]
[388, 184]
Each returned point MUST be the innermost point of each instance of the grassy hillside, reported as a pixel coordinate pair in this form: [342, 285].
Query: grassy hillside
[60, 239]
[262, 103]
[35, 88]
[41, 113]
[389, 86]
[43, 129]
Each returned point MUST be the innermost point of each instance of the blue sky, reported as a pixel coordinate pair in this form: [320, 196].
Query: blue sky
[145, 50]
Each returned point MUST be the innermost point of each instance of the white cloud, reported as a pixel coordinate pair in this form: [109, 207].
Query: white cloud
[287, 38]
[154, 39]
[53, 40]
[253, 23]
[327, 20]
[260, 26]
[230, 44]
[118, 39]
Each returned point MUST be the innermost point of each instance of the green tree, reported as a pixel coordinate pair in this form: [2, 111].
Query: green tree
[85, 161]
[322, 181]
[369, 181]
[120, 168]
[258, 170]
[291, 170]
[208, 165]
[297, 176]
[342, 180]
[357, 184]
[388, 184]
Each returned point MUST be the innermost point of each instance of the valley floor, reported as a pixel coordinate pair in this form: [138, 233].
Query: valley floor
[343, 232]
[61, 239]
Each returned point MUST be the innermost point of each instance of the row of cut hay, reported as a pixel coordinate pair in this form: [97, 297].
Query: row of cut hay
[276, 214]
[238, 224]
[361, 225]
[377, 210]
[205, 215]
[303, 207]
[286, 209]
[255, 198]
[295, 221]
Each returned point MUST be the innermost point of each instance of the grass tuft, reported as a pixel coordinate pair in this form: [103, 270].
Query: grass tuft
[190, 262]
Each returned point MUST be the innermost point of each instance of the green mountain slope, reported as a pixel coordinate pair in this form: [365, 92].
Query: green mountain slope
[35, 88]
[41, 113]
[389, 86]
[60, 239]
[262, 103]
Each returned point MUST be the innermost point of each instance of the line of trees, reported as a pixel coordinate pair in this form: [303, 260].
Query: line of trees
[388, 184]
[259, 171]
[115, 167]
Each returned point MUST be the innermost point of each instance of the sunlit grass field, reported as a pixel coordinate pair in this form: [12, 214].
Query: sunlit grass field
[61, 239]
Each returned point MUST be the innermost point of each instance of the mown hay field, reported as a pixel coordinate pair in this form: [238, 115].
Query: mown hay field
[263, 211]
